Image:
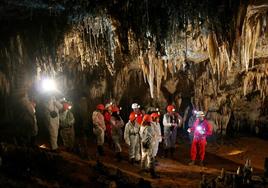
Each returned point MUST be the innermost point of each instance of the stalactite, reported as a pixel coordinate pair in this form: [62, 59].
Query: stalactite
[151, 75]
[212, 51]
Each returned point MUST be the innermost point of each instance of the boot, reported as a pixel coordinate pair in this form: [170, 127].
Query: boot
[153, 173]
[192, 163]
[201, 163]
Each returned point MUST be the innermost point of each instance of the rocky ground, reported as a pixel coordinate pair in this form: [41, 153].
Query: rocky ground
[32, 168]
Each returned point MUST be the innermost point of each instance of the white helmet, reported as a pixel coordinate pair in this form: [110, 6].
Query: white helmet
[135, 105]
[200, 114]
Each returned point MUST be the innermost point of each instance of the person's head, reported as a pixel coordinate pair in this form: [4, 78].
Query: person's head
[200, 115]
[115, 109]
[170, 109]
[135, 107]
[100, 107]
[132, 117]
[109, 107]
[155, 116]
[66, 106]
[146, 120]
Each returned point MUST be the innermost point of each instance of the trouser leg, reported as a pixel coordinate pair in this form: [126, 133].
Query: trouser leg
[202, 149]
[193, 150]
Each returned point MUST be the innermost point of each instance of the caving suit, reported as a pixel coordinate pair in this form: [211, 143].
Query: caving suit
[146, 135]
[131, 137]
[53, 107]
[171, 123]
[200, 129]
[67, 128]
[98, 126]
[157, 137]
[116, 132]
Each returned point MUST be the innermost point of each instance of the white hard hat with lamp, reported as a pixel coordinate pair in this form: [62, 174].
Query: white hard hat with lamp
[135, 105]
[200, 114]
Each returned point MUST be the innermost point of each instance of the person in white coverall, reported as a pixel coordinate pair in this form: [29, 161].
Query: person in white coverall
[157, 133]
[53, 106]
[147, 137]
[99, 127]
[67, 127]
[171, 122]
[131, 137]
[116, 124]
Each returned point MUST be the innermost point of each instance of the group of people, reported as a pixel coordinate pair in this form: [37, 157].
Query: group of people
[54, 116]
[142, 134]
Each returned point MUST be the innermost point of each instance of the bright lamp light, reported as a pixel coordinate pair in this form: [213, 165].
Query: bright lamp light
[48, 85]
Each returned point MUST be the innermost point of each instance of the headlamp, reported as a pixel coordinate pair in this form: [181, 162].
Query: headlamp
[48, 85]
[199, 128]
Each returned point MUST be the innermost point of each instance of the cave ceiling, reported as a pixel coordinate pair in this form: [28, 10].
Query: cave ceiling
[214, 52]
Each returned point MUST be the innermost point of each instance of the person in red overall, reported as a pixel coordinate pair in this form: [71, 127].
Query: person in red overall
[201, 129]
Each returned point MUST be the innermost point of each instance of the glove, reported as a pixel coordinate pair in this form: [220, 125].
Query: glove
[128, 143]
[189, 130]
[202, 132]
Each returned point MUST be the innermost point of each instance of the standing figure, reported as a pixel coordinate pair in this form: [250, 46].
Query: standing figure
[99, 127]
[53, 106]
[67, 127]
[131, 137]
[147, 135]
[201, 130]
[25, 117]
[116, 131]
[157, 133]
[107, 119]
[171, 122]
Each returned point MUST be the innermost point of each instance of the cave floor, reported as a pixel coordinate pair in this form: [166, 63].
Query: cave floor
[175, 171]
[24, 167]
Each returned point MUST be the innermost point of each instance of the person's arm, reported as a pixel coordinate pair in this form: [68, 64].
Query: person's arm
[165, 122]
[180, 120]
[72, 120]
[191, 129]
[126, 134]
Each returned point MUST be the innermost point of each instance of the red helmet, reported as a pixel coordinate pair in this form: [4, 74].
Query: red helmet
[155, 115]
[100, 107]
[115, 109]
[147, 118]
[132, 116]
[171, 108]
[66, 106]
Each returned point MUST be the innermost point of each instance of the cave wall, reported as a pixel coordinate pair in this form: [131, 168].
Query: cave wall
[218, 61]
